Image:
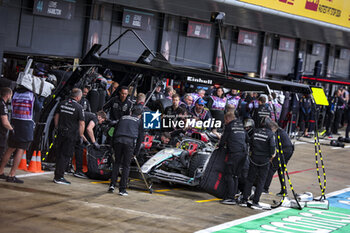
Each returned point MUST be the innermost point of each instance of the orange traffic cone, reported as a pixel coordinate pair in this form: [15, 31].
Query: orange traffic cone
[23, 164]
[38, 162]
[32, 164]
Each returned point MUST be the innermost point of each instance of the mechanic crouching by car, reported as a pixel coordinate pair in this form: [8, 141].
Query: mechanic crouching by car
[127, 139]
[262, 149]
[69, 122]
[91, 120]
[235, 140]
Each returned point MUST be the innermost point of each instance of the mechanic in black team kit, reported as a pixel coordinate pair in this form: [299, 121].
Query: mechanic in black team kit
[119, 105]
[288, 149]
[235, 140]
[91, 120]
[261, 112]
[5, 126]
[69, 121]
[262, 149]
[127, 139]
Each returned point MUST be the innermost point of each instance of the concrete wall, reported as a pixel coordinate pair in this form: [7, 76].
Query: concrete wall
[129, 47]
[33, 34]
[184, 50]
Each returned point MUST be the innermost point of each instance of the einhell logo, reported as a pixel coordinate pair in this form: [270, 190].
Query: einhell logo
[199, 80]
[312, 4]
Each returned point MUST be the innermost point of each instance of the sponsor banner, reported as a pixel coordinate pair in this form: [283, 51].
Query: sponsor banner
[330, 11]
[199, 80]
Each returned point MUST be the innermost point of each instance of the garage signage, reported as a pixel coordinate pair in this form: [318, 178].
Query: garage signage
[199, 29]
[137, 19]
[287, 44]
[247, 38]
[63, 9]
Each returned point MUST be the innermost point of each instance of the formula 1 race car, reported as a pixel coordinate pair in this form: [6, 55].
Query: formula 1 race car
[183, 164]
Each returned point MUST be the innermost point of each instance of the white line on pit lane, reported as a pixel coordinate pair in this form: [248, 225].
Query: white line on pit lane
[33, 174]
[337, 148]
[141, 213]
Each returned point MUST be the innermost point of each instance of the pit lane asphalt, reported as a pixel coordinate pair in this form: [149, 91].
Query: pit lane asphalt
[39, 205]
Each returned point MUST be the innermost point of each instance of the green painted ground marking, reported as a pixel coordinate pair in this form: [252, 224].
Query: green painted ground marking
[292, 220]
[285, 220]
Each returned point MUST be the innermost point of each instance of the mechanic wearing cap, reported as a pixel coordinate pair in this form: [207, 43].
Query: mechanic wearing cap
[69, 121]
[127, 139]
[235, 140]
[119, 105]
[261, 112]
[262, 149]
[5, 126]
[195, 96]
[288, 148]
[91, 120]
[199, 112]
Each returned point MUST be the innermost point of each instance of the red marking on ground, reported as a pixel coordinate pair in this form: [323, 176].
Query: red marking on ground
[295, 172]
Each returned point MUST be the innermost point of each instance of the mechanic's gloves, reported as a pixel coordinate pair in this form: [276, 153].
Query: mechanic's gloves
[96, 145]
